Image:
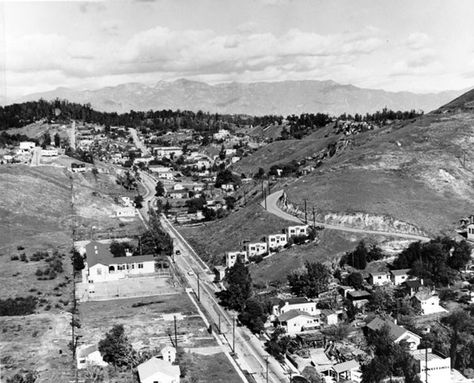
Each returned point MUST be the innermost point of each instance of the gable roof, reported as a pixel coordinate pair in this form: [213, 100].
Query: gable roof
[293, 314]
[395, 331]
[293, 301]
[413, 284]
[154, 365]
[86, 349]
[346, 366]
[400, 272]
[423, 296]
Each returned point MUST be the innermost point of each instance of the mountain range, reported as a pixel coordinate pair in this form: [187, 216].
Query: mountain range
[260, 98]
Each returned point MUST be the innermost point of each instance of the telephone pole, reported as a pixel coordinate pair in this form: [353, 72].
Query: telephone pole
[305, 213]
[233, 334]
[175, 333]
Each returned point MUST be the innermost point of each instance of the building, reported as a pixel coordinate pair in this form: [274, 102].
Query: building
[26, 146]
[302, 304]
[399, 276]
[126, 201]
[228, 187]
[412, 286]
[276, 241]
[331, 317]
[126, 212]
[397, 333]
[78, 168]
[295, 321]
[379, 278]
[427, 303]
[221, 135]
[432, 367]
[89, 355]
[359, 298]
[49, 152]
[296, 231]
[348, 370]
[470, 232]
[231, 258]
[219, 273]
[178, 194]
[157, 370]
[170, 152]
[168, 354]
[102, 266]
[255, 248]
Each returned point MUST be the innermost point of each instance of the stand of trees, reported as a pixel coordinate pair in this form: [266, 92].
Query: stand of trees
[361, 256]
[310, 283]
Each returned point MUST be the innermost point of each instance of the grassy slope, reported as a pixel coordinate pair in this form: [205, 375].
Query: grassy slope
[411, 172]
[212, 239]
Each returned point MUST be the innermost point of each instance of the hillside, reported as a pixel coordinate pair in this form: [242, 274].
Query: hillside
[418, 172]
[282, 98]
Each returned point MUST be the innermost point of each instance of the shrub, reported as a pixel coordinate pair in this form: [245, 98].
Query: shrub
[38, 256]
[23, 257]
[18, 306]
[39, 272]
[14, 258]
[20, 248]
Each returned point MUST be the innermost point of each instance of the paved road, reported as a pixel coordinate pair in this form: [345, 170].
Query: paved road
[138, 143]
[36, 156]
[273, 208]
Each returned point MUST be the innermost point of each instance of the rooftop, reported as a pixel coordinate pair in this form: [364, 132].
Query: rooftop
[293, 314]
[154, 365]
[346, 366]
[99, 253]
[400, 272]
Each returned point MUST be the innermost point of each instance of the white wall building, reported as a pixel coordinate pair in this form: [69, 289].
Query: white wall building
[255, 248]
[168, 151]
[427, 303]
[295, 231]
[231, 257]
[432, 367]
[275, 241]
[295, 321]
[380, 278]
[89, 355]
[399, 276]
[300, 304]
[26, 146]
[157, 370]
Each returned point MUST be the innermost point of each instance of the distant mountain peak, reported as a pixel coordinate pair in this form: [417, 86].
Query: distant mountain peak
[258, 98]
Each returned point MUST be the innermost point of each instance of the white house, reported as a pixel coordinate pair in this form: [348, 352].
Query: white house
[168, 353]
[231, 257]
[255, 248]
[399, 276]
[158, 371]
[348, 370]
[49, 152]
[89, 355]
[168, 151]
[126, 212]
[102, 266]
[227, 187]
[470, 231]
[397, 333]
[302, 304]
[433, 367]
[221, 134]
[26, 146]
[126, 201]
[295, 321]
[276, 241]
[295, 231]
[427, 303]
[380, 278]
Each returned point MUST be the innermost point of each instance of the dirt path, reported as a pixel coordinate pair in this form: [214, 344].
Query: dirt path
[272, 207]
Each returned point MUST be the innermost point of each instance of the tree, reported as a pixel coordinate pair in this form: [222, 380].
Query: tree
[355, 280]
[239, 287]
[278, 344]
[116, 349]
[138, 201]
[460, 322]
[118, 249]
[253, 315]
[260, 174]
[382, 299]
[77, 261]
[57, 140]
[159, 189]
[390, 359]
[310, 373]
[312, 282]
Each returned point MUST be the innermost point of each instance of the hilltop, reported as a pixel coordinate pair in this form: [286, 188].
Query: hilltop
[419, 172]
[282, 98]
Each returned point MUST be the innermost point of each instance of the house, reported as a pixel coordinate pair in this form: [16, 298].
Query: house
[296, 321]
[168, 354]
[221, 135]
[427, 303]
[470, 232]
[157, 370]
[219, 273]
[396, 333]
[162, 171]
[203, 164]
[399, 276]
[300, 304]
[330, 317]
[126, 201]
[89, 355]
[379, 278]
[227, 187]
[296, 231]
[26, 146]
[49, 152]
[170, 152]
[231, 258]
[178, 194]
[126, 212]
[102, 266]
[348, 370]
[255, 248]
[412, 286]
[78, 168]
[276, 241]
[359, 298]
[432, 367]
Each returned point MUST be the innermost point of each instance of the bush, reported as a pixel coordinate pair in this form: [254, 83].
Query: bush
[39, 272]
[14, 258]
[23, 258]
[18, 306]
[38, 256]
[20, 248]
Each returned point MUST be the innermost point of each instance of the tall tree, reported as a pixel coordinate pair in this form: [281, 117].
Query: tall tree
[311, 282]
[159, 189]
[239, 287]
[116, 349]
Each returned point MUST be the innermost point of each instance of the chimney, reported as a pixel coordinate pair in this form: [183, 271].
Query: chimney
[128, 253]
[422, 282]
[395, 321]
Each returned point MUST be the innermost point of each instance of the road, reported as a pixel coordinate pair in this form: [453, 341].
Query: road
[250, 351]
[72, 135]
[138, 143]
[36, 156]
[272, 207]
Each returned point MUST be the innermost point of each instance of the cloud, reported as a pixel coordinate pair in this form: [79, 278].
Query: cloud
[91, 6]
[417, 40]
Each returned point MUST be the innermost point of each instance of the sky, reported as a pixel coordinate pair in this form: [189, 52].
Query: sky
[396, 45]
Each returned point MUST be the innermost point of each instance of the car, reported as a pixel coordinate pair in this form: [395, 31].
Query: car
[190, 272]
[178, 252]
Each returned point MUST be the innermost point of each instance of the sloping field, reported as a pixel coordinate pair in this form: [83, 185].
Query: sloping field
[212, 239]
[419, 172]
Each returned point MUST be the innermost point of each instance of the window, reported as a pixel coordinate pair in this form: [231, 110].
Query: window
[140, 265]
[99, 271]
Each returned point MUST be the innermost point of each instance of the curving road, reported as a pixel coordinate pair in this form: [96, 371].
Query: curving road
[272, 207]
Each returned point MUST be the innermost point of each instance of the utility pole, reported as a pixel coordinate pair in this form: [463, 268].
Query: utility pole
[219, 323]
[266, 374]
[199, 287]
[233, 334]
[426, 365]
[265, 199]
[175, 333]
[314, 219]
[305, 213]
